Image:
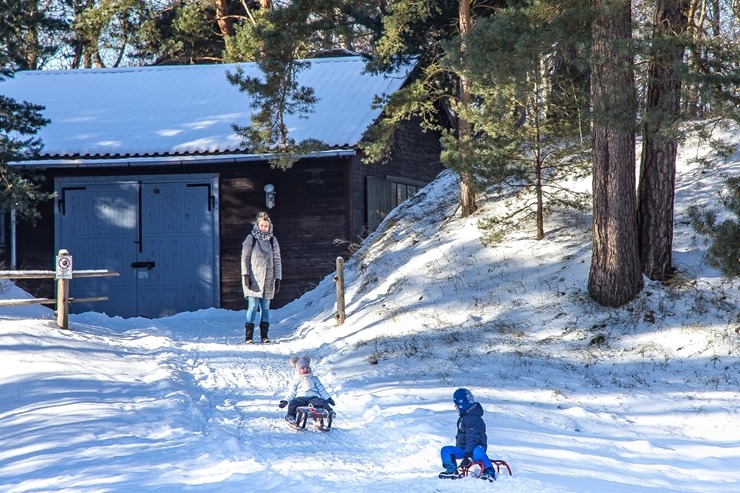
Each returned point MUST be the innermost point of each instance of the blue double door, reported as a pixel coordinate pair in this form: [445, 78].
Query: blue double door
[160, 233]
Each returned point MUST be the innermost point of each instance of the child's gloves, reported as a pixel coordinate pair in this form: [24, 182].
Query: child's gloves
[467, 461]
[330, 401]
[282, 404]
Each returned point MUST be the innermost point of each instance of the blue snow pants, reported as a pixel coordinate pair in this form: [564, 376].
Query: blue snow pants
[479, 453]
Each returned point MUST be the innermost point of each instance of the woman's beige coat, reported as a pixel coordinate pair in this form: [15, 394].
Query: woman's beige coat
[261, 260]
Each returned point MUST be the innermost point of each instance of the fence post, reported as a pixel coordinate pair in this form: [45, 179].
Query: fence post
[62, 290]
[339, 280]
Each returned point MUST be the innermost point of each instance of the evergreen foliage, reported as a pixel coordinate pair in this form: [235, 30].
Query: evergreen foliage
[19, 123]
[104, 34]
[724, 250]
[531, 128]
[418, 98]
[182, 33]
[415, 31]
[281, 42]
[34, 30]
[274, 98]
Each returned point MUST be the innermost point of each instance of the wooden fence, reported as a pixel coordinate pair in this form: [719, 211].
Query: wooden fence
[62, 299]
[339, 280]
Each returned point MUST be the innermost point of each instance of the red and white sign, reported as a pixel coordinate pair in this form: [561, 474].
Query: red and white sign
[64, 267]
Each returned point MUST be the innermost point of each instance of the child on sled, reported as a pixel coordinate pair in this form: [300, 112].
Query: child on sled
[470, 442]
[304, 389]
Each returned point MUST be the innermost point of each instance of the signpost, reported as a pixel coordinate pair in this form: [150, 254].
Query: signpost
[63, 275]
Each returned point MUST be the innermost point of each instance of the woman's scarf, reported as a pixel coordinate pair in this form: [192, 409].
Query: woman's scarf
[260, 235]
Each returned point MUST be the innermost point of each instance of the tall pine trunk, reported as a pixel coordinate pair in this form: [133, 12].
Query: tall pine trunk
[222, 18]
[615, 277]
[658, 164]
[464, 127]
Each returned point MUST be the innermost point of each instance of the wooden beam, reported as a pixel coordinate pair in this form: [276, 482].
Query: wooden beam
[28, 301]
[27, 274]
[50, 274]
[48, 301]
[94, 273]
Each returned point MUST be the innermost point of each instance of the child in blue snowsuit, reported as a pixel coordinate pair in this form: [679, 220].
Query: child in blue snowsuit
[471, 440]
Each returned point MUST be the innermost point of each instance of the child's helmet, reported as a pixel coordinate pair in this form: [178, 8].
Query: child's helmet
[463, 399]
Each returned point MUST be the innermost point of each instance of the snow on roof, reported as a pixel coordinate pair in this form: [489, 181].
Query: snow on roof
[188, 109]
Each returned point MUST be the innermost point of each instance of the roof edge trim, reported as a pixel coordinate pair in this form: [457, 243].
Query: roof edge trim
[169, 160]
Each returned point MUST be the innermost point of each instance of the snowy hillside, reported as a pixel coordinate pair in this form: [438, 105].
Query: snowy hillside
[578, 398]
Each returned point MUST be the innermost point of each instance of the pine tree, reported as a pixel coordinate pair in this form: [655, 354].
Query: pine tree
[419, 31]
[275, 98]
[282, 41]
[183, 32]
[35, 29]
[656, 188]
[529, 124]
[19, 123]
[615, 276]
[724, 236]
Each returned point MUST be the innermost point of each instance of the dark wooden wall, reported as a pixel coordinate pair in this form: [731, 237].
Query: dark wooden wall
[309, 215]
[320, 210]
[415, 158]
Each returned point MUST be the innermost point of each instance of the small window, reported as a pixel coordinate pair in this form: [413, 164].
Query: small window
[402, 192]
[384, 195]
[3, 239]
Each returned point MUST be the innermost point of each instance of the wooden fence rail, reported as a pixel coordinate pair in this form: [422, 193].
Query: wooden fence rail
[62, 300]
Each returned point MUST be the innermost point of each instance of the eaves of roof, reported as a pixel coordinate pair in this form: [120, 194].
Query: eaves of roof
[235, 158]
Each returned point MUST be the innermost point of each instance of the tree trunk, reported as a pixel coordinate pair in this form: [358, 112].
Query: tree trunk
[464, 128]
[658, 164]
[536, 144]
[222, 18]
[690, 103]
[615, 277]
[540, 210]
[31, 38]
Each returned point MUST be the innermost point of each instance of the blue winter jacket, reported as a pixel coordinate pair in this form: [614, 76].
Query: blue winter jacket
[471, 429]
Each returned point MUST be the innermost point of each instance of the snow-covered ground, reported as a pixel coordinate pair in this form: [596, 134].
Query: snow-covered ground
[578, 398]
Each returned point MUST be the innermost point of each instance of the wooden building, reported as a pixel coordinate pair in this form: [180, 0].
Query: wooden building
[151, 182]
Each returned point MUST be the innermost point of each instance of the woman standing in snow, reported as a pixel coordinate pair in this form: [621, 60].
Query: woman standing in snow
[262, 269]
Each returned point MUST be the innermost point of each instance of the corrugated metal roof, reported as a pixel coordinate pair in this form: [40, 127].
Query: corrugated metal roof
[189, 109]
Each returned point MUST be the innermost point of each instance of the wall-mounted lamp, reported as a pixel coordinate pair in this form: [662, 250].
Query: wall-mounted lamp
[269, 196]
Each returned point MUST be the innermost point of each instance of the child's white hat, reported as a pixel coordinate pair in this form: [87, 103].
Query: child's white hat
[298, 363]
